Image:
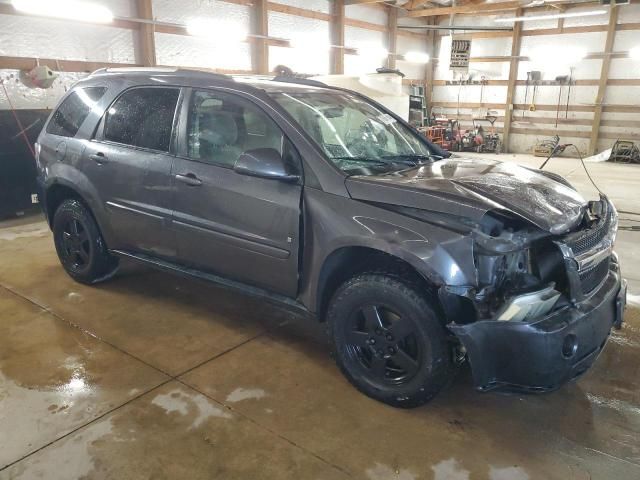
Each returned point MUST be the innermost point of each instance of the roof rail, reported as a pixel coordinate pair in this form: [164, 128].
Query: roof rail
[300, 81]
[152, 70]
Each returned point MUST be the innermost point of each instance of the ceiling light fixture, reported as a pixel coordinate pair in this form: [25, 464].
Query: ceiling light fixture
[554, 16]
[416, 57]
[67, 9]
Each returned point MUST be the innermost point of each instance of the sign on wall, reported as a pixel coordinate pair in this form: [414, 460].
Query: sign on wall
[460, 50]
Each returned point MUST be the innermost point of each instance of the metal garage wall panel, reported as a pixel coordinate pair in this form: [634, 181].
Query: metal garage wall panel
[121, 8]
[355, 37]
[294, 27]
[367, 13]
[359, 37]
[629, 13]
[469, 94]
[626, 40]
[411, 70]
[491, 47]
[313, 56]
[299, 61]
[187, 51]
[49, 38]
[185, 10]
[623, 95]
[624, 68]
[411, 44]
[317, 5]
[23, 97]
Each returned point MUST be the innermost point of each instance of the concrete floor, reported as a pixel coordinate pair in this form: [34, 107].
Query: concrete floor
[155, 376]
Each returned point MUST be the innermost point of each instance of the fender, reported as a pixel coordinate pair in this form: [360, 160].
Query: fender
[438, 255]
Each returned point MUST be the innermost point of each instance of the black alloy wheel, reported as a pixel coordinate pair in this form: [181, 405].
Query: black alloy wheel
[384, 343]
[76, 248]
[79, 244]
[388, 340]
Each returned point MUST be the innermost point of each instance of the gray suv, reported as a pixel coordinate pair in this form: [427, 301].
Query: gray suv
[322, 200]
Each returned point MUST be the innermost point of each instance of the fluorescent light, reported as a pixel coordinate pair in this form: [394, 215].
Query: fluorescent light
[68, 9]
[554, 16]
[217, 30]
[416, 57]
[635, 53]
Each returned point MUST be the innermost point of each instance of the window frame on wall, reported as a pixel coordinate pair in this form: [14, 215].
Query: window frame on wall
[101, 130]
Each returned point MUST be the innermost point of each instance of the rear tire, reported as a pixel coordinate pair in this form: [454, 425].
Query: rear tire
[79, 244]
[388, 340]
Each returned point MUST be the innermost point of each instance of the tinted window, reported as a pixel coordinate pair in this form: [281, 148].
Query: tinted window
[142, 117]
[221, 127]
[74, 110]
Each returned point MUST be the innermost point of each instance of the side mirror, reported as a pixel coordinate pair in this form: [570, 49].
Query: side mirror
[263, 163]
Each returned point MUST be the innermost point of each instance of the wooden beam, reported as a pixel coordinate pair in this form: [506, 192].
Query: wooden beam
[392, 40]
[604, 76]
[146, 34]
[260, 56]
[470, 8]
[337, 37]
[516, 41]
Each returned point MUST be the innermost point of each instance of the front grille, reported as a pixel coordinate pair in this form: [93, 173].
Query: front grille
[585, 240]
[592, 277]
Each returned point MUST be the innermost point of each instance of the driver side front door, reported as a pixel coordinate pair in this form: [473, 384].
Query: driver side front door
[240, 227]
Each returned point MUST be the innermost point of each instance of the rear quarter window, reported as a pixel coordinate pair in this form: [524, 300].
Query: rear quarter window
[68, 118]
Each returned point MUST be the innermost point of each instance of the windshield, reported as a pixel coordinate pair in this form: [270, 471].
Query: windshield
[356, 136]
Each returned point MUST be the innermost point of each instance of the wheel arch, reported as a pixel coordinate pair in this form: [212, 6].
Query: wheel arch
[347, 261]
[61, 190]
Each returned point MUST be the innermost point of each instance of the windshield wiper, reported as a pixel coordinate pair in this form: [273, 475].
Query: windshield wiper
[414, 158]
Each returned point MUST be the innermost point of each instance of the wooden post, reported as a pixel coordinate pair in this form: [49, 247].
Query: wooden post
[604, 76]
[147, 35]
[392, 31]
[428, 77]
[260, 57]
[516, 40]
[337, 37]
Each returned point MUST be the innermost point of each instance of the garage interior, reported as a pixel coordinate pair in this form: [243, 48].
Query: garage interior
[151, 375]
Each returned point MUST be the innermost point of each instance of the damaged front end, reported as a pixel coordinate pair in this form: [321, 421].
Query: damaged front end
[542, 305]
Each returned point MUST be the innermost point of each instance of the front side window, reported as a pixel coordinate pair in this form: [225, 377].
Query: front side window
[221, 127]
[355, 135]
[74, 110]
[142, 117]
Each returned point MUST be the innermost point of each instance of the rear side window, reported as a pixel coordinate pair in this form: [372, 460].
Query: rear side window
[142, 117]
[73, 111]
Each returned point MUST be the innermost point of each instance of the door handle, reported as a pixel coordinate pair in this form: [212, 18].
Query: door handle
[99, 158]
[189, 179]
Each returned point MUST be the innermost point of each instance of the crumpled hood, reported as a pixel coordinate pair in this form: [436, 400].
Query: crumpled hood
[471, 187]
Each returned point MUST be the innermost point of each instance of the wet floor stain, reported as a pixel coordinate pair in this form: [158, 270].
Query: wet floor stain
[240, 394]
[450, 469]
[384, 472]
[192, 405]
[24, 231]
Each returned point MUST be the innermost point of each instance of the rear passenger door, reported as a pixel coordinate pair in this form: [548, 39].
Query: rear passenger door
[129, 162]
[238, 226]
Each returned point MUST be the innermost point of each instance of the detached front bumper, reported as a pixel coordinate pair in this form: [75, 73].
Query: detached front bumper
[543, 355]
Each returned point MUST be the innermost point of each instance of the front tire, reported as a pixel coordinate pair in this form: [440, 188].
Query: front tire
[79, 244]
[388, 340]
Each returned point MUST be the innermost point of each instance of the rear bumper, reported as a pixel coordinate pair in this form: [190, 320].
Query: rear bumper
[543, 355]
